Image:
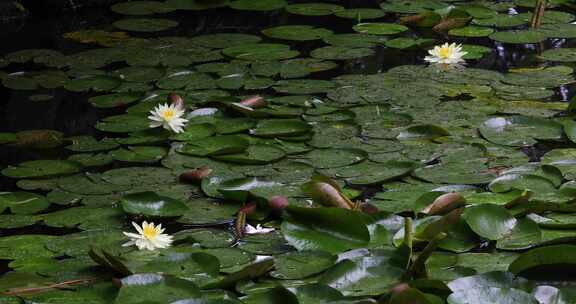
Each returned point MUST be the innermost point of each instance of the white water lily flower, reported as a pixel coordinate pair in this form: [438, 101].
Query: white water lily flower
[446, 54]
[249, 229]
[169, 117]
[149, 237]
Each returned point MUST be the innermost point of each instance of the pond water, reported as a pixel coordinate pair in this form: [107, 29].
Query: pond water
[378, 177]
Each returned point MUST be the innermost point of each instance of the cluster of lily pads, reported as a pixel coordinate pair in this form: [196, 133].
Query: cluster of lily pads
[417, 184]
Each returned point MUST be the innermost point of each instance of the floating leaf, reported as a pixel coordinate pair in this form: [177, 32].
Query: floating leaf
[297, 32]
[145, 25]
[489, 221]
[380, 28]
[42, 168]
[151, 204]
[328, 229]
[313, 9]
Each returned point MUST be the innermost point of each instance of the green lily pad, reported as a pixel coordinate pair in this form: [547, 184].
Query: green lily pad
[543, 257]
[217, 145]
[145, 24]
[254, 155]
[558, 30]
[471, 31]
[301, 264]
[341, 53]
[519, 131]
[280, 127]
[22, 202]
[370, 274]
[360, 13]
[151, 204]
[224, 40]
[297, 32]
[155, 288]
[380, 28]
[333, 158]
[313, 9]
[559, 55]
[260, 52]
[489, 221]
[141, 8]
[139, 154]
[501, 21]
[123, 123]
[42, 168]
[368, 173]
[518, 37]
[328, 229]
[258, 5]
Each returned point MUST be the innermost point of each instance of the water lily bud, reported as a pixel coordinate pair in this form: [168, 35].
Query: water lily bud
[445, 203]
[249, 208]
[196, 175]
[176, 100]
[369, 208]
[400, 287]
[254, 102]
[278, 202]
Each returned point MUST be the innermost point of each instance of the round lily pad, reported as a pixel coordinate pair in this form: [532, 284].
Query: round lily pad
[258, 5]
[313, 9]
[224, 40]
[260, 52]
[518, 37]
[333, 158]
[280, 127]
[369, 173]
[341, 53]
[471, 31]
[140, 8]
[151, 204]
[254, 155]
[360, 13]
[560, 55]
[114, 100]
[217, 145]
[519, 130]
[145, 24]
[301, 264]
[558, 30]
[380, 28]
[42, 168]
[22, 202]
[297, 32]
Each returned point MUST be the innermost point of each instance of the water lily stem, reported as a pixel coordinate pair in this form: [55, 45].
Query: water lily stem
[33, 290]
[418, 268]
[538, 14]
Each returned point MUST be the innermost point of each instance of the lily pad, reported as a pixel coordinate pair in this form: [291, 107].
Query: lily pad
[313, 9]
[42, 168]
[297, 32]
[141, 8]
[519, 130]
[145, 24]
[489, 221]
[217, 145]
[379, 28]
[518, 37]
[152, 205]
[22, 202]
[258, 5]
[260, 52]
[328, 229]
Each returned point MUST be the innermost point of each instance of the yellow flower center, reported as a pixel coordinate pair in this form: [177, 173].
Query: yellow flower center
[444, 52]
[168, 114]
[149, 232]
